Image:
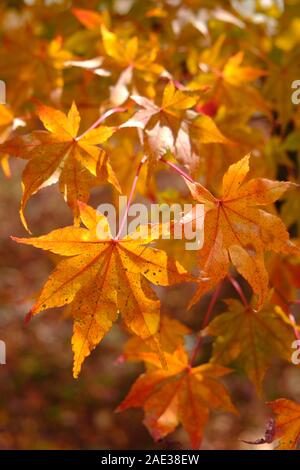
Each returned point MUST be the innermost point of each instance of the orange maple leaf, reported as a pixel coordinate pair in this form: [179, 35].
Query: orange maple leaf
[229, 79]
[287, 423]
[178, 394]
[60, 154]
[237, 231]
[101, 277]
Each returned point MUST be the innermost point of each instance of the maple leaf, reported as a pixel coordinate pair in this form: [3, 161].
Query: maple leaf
[77, 162]
[173, 102]
[237, 231]
[172, 111]
[101, 277]
[236, 74]
[178, 394]
[167, 127]
[287, 423]
[137, 62]
[229, 79]
[251, 338]
[126, 53]
[32, 66]
[164, 131]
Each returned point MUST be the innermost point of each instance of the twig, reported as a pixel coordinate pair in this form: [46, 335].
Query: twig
[206, 318]
[178, 170]
[130, 196]
[238, 289]
[294, 325]
[291, 316]
[102, 118]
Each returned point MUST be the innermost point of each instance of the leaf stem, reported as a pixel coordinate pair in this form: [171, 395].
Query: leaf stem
[137, 174]
[294, 325]
[206, 319]
[238, 289]
[102, 118]
[178, 170]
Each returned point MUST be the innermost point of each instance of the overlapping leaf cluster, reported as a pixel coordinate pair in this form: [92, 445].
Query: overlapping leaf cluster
[114, 93]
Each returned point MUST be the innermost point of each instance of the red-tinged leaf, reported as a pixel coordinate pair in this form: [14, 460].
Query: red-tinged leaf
[287, 423]
[238, 232]
[89, 18]
[178, 394]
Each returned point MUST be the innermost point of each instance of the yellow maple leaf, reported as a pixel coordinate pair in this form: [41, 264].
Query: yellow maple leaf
[60, 154]
[102, 276]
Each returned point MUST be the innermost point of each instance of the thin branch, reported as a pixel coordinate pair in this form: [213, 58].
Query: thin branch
[137, 174]
[178, 170]
[206, 319]
[102, 118]
[238, 289]
[289, 304]
[294, 325]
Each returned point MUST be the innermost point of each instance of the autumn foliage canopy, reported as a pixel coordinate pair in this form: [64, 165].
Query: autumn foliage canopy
[166, 102]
